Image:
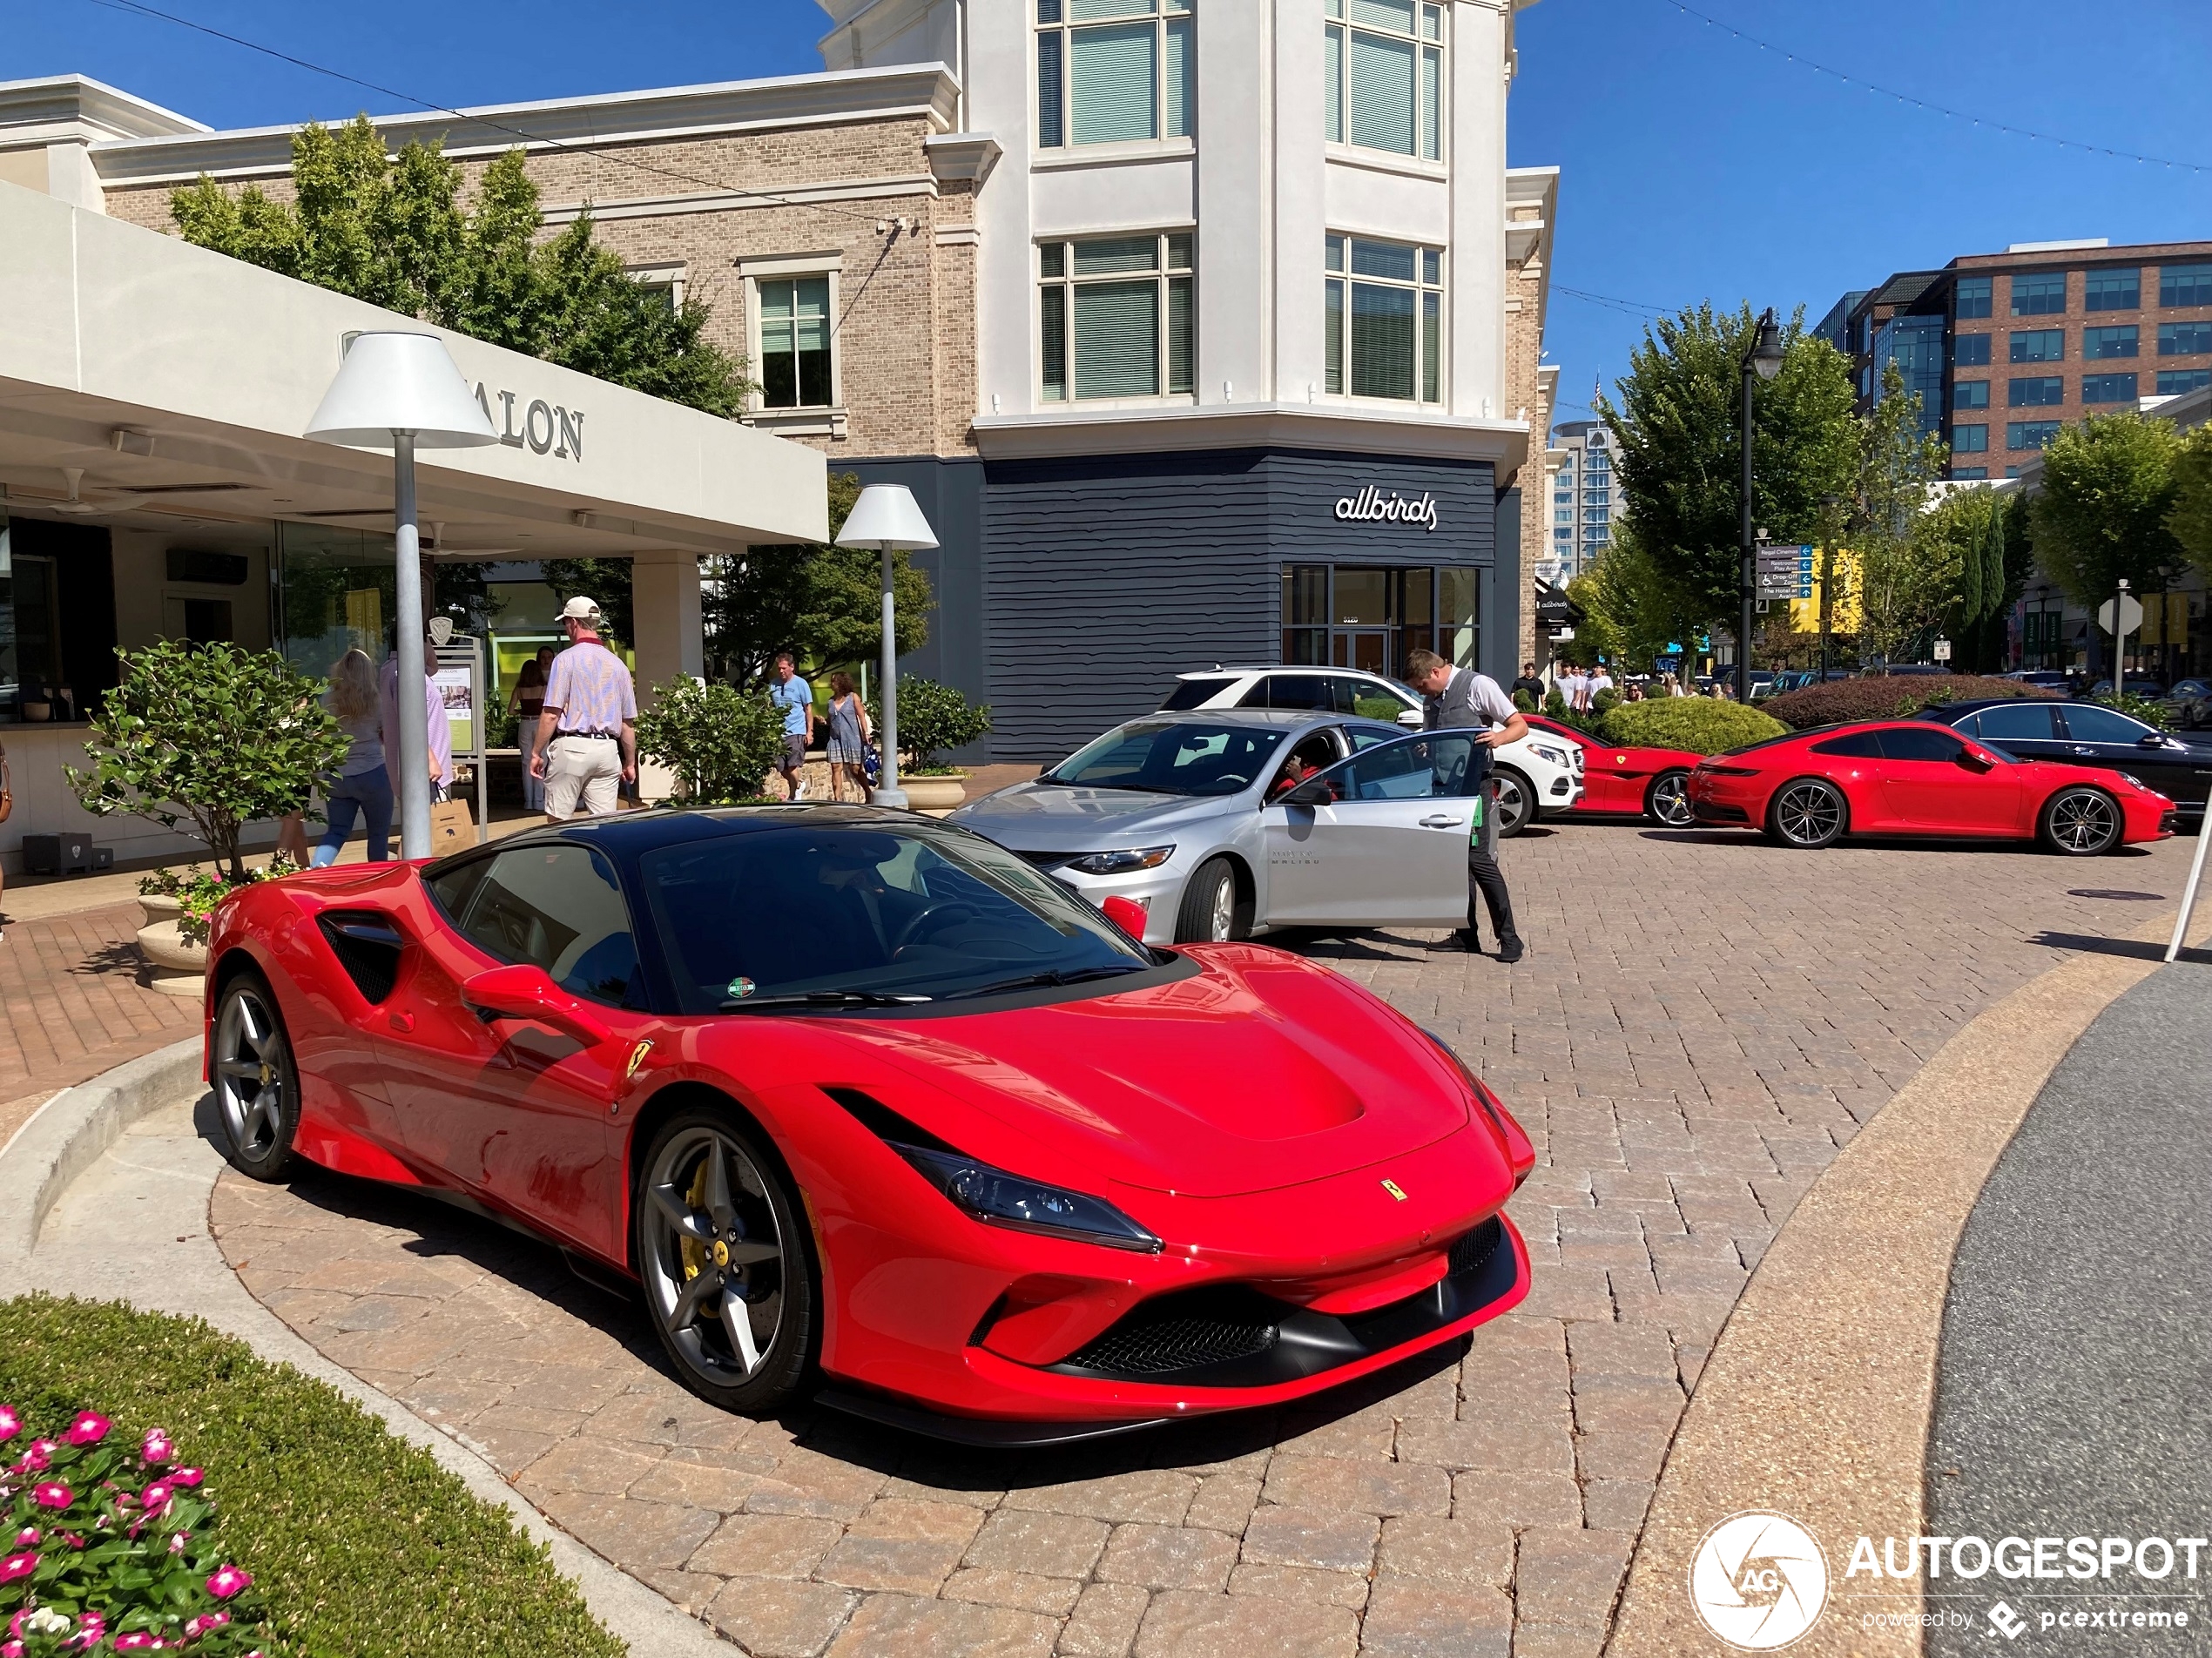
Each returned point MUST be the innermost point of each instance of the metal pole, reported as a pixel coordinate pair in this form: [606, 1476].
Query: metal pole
[414, 737]
[2188, 892]
[1749, 574]
[1827, 581]
[2120, 645]
[888, 793]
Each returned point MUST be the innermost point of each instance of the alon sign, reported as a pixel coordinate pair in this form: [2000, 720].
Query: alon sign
[542, 427]
[1371, 505]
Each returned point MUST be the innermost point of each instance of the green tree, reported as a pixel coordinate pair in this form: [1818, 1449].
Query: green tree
[2191, 519]
[394, 231]
[2109, 489]
[1632, 613]
[718, 741]
[209, 736]
[1902, 595]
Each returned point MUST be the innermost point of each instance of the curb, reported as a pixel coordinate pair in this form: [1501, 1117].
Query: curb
[66, 1135]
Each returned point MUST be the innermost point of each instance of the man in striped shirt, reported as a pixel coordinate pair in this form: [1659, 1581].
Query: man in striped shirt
[587, 741]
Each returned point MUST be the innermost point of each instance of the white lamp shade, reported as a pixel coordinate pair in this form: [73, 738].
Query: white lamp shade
[885, 516]
[401, 382]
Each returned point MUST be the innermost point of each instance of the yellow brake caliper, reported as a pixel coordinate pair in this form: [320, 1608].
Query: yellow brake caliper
[694, 1251]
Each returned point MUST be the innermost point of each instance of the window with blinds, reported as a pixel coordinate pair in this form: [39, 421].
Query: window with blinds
[795, 343]
[1116, 318]
[1384, 319]
[1383, 76]
[1115, 71]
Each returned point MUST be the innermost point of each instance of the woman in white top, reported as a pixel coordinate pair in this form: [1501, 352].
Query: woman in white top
[362, 787]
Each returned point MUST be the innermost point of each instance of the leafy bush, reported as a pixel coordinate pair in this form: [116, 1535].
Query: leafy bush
[1885, 699]
[210, 735]
[1524, 701]
[1701, 725]
[1386, 708]
[1604, 703]
[1556, 704]
[933, 719]
[359, 1545]
[203, 894]
[718, 741]
[2157, 716]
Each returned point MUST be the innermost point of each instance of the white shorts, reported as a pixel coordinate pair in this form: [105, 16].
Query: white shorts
[582, 773]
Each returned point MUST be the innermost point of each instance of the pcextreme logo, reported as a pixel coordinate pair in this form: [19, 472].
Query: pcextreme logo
[1758, 1581]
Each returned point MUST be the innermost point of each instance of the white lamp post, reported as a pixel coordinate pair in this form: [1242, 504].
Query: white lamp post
[886, 517]
[402, 392]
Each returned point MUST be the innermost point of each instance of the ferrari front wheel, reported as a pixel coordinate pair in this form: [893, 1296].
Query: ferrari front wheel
[2080, 822]
[722, 1249]
[1667, 802]
[257, 1086]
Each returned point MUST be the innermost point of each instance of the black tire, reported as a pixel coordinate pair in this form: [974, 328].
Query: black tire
[256, 1084]
[1667, 801]
[755, 1244]
[1808, 812]
[1513, 801]
[1213, 910]
[2080, 822]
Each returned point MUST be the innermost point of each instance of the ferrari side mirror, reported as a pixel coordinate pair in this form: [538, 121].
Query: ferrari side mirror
[523, 991]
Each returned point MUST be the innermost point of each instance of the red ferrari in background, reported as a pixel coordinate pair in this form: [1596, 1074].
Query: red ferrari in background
[858, 1096]
[1912, 777]
[1653, 782]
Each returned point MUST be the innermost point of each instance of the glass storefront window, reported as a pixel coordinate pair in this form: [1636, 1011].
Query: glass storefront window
[1371, 616]
[30, 627]
[336, 591]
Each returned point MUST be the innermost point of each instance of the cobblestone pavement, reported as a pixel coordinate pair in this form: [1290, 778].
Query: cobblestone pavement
[1701, 1023]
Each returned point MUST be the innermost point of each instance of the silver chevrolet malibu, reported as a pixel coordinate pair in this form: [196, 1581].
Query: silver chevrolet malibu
[1219, 823]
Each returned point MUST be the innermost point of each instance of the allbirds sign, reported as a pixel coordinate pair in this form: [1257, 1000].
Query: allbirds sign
[1371, 505]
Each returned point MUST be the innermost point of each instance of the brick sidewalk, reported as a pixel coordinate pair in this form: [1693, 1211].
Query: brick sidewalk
[1701, 1022]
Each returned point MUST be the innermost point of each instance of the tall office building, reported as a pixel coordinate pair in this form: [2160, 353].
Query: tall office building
[1585, 499]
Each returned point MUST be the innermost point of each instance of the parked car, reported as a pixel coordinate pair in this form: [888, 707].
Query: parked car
[2149, 689]
[1653, 782]
[1535, 778]
[2042, 678]
[2089, 734]
[1204, 821]
[860, 1099]
[2189, 704]
[1901, 669]
[1762, 682]
[1912, 777]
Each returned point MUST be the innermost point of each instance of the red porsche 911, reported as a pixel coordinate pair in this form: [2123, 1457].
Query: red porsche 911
[863, 1100]
[1651, 782]
[1910, 778]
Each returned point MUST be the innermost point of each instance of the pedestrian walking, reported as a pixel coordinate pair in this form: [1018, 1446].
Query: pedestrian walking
[527, 700]
[587, 725]
[361, 786]
[1458, 699]
[1578, 689]
[1601, 681]
[1530, 686]
[436, 728]
[795, 698]
[849, 734]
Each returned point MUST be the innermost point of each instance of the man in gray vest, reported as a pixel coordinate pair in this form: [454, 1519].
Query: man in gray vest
[1458, 698]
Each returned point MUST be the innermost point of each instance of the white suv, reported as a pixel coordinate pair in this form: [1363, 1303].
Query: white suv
[1538, 777]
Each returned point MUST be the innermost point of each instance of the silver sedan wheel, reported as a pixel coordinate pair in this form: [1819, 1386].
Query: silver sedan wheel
[1221, 920]
[250, 1074]
[714, 1270]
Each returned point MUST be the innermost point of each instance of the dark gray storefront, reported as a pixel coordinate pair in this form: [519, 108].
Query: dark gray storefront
[1072, 591]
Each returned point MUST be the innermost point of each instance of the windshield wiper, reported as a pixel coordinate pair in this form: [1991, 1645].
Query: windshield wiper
[1054, 976]
[820, 998]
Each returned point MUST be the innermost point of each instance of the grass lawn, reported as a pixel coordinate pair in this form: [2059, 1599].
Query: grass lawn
[360, 1544]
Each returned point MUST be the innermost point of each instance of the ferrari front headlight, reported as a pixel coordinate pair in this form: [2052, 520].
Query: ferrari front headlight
[998, 1199]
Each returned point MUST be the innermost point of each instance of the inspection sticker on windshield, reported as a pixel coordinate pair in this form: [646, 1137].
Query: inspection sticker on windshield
[742, 988]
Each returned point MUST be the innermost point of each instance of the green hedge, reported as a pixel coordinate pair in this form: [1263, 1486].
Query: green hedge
[1699, 723]
[1885, 697]
[359, 1545]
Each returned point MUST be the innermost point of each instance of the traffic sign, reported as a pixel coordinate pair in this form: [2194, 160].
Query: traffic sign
[1943, 651]
[1784, 570]
[2131, 613]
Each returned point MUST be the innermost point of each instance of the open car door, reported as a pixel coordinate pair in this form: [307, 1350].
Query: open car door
[1380, 839]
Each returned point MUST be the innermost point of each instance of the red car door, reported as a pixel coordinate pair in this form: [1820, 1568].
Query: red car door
[1932, 781]
[514, 1110]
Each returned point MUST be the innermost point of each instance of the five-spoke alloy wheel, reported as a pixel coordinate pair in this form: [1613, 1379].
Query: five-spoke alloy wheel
[1667, 802]
[2080, 822]
[257, 1089]
[724, 1256]
[1807, 812]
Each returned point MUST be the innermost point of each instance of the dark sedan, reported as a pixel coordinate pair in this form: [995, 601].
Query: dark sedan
[2085, 733]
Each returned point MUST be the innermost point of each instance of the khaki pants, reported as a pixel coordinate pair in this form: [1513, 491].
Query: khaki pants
[583, 774]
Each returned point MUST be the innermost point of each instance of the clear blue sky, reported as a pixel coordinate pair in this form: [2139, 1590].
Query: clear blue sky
[1695, 165]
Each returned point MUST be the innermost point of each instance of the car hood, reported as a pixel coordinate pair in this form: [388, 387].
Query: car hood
[1259, 1071]
[1053, 817]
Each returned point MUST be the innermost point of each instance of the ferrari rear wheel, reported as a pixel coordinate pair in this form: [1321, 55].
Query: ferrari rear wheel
[1807, 812]
[1212, 910]
[1667, 802]
[1512, 800]
[729, 1278]
[2080, 822]
[257, 1087]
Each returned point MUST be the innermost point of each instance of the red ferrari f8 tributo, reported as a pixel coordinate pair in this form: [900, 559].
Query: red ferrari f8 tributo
[863, 1099]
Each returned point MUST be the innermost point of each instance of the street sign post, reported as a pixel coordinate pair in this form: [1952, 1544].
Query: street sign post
[1943, 651]
[2131, 615]
[1784, 570]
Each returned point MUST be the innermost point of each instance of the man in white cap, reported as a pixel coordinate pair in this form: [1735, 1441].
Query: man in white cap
[587, 730]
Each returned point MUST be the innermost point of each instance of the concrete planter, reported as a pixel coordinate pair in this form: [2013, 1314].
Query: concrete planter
[934, 794]
[160, 906]
[179, 969]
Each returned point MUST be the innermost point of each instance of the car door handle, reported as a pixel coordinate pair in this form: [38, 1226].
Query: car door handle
[1440, 821]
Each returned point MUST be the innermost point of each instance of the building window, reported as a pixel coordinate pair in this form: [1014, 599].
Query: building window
[2039, 345]
[2035, 391]
[1972, 296]
[795, 342]
[1601, 535]
[1970, 393]
[1115, 71]
[2108, 342]
[1562, 515]
[2179, 382]
[2184, 339]
[1383, 76]
[2113, 291]
[2107, 388]
[1969, 440]
[2185, 285]
[1970, 351]
[1385, 319]
[1372, 616]
[1117, 317]
[2030, 434]
[2039, 296]
[1970, 471]
[1562, 535]
[1596, 515]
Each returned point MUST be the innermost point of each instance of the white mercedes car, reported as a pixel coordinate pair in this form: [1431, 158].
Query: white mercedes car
[1538, 777]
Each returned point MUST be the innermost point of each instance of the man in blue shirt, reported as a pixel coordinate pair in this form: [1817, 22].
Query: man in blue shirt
[796, 699]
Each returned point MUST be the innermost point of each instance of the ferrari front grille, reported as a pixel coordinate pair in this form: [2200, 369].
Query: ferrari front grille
[1475, 1248]
[1141, 1349]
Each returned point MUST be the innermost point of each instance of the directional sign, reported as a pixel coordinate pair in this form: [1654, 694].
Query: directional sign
[1784, 570]
[2131, 613]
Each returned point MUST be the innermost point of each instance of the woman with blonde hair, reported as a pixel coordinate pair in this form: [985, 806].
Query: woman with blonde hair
[848, 738]
[362, 787]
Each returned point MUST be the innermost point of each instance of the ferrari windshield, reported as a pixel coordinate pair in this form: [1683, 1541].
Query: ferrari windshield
[1171, 757]
[862, 916]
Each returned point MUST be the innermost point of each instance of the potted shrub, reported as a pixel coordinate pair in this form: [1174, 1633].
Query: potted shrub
[160, 893]
[934, 718]
[717, 742]
[175, 945]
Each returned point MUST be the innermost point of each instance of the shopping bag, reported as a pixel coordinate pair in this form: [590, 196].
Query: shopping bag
[451, 827]
[871, 762]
